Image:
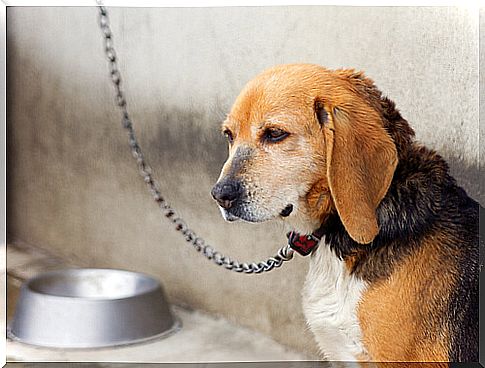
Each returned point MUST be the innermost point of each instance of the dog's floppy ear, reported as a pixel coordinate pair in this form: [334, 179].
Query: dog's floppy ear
[361, 159]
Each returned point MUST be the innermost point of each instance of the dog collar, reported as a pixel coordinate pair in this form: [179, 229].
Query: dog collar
[304, 244]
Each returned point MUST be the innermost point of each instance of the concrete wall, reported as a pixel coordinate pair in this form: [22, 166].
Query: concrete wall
[73, 187]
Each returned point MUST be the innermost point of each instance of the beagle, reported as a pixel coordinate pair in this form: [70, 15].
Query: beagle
[393, 272]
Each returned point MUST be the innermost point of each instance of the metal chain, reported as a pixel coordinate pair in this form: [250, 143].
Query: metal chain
[284, 254]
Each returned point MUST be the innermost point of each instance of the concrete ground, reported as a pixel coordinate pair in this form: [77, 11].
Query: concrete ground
[203, 338]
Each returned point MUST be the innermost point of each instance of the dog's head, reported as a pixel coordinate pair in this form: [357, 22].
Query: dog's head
[305, 141]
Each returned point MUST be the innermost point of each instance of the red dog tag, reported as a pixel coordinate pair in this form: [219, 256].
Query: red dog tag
[303, 244]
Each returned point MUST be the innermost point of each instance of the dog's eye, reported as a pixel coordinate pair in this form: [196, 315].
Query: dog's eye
[229, 136]
[274, 135]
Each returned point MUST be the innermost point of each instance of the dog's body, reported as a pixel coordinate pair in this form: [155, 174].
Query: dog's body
[413, 295]
[395, 276]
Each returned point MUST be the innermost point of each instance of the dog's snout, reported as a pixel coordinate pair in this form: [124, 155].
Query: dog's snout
[226, 193]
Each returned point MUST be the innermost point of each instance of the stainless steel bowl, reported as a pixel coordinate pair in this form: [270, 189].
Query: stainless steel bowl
[88, 308]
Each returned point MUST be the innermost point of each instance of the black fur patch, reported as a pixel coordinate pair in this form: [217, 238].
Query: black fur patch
[463, 308]
[422, 197]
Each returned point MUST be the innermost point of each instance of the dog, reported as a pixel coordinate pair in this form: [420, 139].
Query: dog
[395, 274]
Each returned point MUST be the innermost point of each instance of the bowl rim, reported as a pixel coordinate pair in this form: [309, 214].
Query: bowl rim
[176, 326]
[27, 286]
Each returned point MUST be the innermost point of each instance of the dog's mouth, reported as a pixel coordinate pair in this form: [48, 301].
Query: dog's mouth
[236, 214]
[229, 217]
[287, 211]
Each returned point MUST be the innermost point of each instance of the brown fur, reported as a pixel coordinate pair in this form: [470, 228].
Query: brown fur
[361, 159]
[396, 323]
[319, 201]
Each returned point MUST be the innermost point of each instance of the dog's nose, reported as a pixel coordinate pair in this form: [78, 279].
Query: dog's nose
[226, 193]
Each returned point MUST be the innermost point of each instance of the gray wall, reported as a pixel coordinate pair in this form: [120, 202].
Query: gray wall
[73, 187]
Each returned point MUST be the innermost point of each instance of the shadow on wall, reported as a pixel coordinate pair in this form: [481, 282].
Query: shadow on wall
[208, 147]
[181, 135]
[467, 176]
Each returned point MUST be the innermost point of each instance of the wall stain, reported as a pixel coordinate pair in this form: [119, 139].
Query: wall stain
[467, 176]
[185, 138]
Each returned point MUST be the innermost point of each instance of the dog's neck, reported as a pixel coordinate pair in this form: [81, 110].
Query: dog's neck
[410, 207]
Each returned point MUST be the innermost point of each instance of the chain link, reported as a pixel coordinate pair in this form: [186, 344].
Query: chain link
[284, 254]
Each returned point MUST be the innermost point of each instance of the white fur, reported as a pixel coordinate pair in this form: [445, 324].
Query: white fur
[330, 298]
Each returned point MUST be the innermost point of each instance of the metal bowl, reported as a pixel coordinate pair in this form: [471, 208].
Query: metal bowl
[88, 308]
